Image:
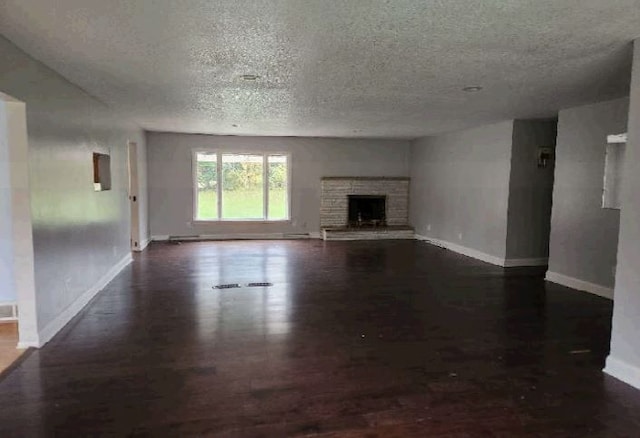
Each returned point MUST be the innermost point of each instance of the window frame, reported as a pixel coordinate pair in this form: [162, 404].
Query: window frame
[612, 180]
[265, 190]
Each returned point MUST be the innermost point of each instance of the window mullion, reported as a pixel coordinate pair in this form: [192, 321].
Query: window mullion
[265, 186]
[194, 175]
[219, 184]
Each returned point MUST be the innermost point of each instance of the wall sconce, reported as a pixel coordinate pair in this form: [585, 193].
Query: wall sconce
[545, 155]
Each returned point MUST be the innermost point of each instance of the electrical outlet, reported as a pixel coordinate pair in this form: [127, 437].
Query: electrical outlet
[459, 236]
[428, 227]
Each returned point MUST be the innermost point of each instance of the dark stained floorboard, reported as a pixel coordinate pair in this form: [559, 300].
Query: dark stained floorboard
[354, 339]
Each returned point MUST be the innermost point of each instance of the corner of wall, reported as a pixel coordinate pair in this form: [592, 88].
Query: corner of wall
[623, 371]
[20, 255]
[624, 359]
[143, 189]
[530, 190]
[584, 237]
[578, 284]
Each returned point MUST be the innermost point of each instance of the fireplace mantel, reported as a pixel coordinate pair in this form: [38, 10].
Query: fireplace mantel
[366, 178]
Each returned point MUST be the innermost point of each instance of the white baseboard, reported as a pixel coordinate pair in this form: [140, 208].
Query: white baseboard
[47, 333]
[160, 238]
[578, 284]
[623, 371]
[469, 252]
[315, 235]
[513, 263]
[25, 345]
[144, 244]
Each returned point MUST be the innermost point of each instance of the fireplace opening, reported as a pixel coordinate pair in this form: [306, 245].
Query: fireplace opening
[367, 211]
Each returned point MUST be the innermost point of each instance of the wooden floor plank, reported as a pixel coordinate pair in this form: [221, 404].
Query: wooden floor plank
[354, 339]
[8, 343]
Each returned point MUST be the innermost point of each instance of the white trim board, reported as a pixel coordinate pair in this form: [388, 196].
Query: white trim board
[623, 371]
[47, 333]
[488, 258]
[575, 283]
[469, 252]
[144, 244]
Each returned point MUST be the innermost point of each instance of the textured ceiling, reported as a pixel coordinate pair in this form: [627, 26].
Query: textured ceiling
[359, 68]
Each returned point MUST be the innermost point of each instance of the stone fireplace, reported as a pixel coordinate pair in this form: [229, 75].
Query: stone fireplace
[354, 208]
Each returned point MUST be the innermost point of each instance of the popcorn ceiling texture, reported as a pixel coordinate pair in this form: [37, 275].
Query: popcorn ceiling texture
[359, 68]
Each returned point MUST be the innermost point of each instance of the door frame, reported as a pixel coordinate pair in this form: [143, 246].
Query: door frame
[134, 195]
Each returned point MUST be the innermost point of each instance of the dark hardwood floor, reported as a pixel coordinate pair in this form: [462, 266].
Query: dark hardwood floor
[354, 339]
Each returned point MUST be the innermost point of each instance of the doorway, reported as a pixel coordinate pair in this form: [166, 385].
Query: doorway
[134, 196]
[17, 282]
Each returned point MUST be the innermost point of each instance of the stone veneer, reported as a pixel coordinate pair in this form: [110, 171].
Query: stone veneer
[382, 233]
[335, 203]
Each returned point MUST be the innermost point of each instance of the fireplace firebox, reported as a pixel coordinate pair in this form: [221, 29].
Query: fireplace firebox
[367, 210]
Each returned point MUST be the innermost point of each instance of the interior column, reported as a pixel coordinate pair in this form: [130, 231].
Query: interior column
[624, 359]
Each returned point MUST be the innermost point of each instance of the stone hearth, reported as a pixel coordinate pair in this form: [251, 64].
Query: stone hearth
[379, 233]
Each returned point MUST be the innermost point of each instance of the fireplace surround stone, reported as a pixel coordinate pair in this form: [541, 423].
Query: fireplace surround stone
[334, 209]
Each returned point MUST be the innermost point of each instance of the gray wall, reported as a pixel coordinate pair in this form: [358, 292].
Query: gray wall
[79, 234]
[624, 361]
[171, 179]
[584, 236]
[460, 185]
[530, 190]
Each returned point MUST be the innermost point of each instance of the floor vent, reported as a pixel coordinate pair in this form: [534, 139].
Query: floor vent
[227, 286]
[259, 284]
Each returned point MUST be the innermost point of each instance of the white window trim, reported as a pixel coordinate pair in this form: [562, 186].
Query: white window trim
[617, 138]
[219, 153]
[611, 192]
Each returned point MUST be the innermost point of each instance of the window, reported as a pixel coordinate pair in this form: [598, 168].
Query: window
[101, 172]
[613, 164]
[241, 186]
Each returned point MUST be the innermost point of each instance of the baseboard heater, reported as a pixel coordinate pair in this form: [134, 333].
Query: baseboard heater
[8, 312]
[271, 236]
